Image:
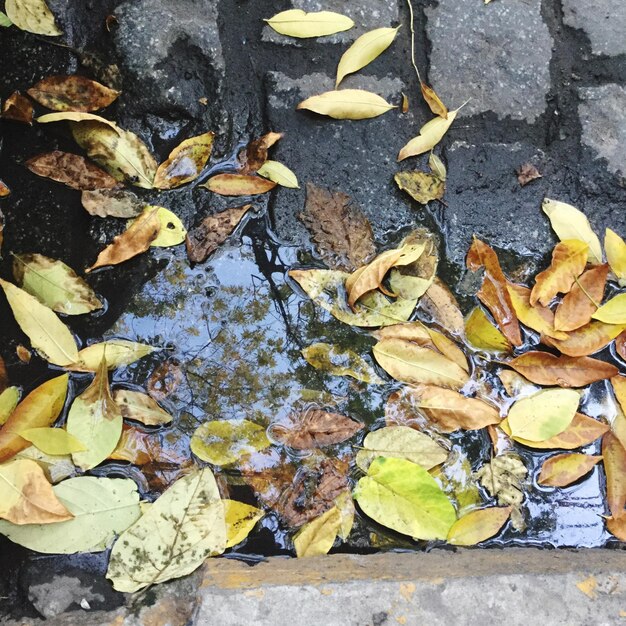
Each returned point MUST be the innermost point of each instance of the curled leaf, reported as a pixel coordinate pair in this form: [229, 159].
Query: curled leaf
[185, 162]
[535, 316]
[434, 101]
[298, 23]
[347, 104]
[72, 93]
[255, 154]
[18, 108]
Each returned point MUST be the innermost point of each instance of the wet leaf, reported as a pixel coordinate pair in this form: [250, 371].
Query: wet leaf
[547, 369]
[185, 162]
[255, 154]
[53, 441]
[620, 345]
[137, 239]
[238, 185]
[400, 442]
[118, 352]
[434, 101]
[298, 23]
[33, 16]
[568, 263]
[95, 420]
[441, 305]
[112, 203]
[405, 103]
[173, 537]
[165, 380]
[4, 192]
[614, 459]
[222, 442]
[527, 173]
[613, 311]
[341, 232]
[580, 303]
[345, 506]
[138, 406]
[482, 334]
[422, 187]
[5, 21]
[587, 339]
[340, 362]
[172, 232]
[615, 249]
[18, 108]
[9, 398]
[544, 414]
[47, 334]
[570, 223]
[347, 104]
[617, 526]
[430, 135]
[102, 509]
[316, 537]
[279, 173]
[535, 316]
[240, 519]
[78, 116]
[364, 50]
[72, 93]
[437, 167]
[478, 525]
[564, 469]
[404, 497]
[54, 284]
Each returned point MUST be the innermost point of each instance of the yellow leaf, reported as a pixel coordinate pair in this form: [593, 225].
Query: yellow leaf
[298, 23]
[564, 469]
[33, 16]
[570, 223]
[118, 352]
[77, 116]
[478, 525]
[345, 505]
[238, 185]
[172, 231]
[279, 173]
[364, 50]
[8, 401]
[347, 104]
[433, 101]
[613, 311]
[240, 519]
[316, 538]
[185, 162]
[430, 135]
[482, 334]
[421, 186]
[340, 362]
[437, 167]
[52, 441]
[615, 248]
[135, 405]
[47, 333]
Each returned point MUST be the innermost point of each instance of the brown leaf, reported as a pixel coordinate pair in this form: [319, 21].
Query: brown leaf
[537, 317]
[433, 101]
[564, 469]
[23, 354]
[72, 170]
[494, 293]
[72, 93]
[586, 340]
[256, 152]
[614, 456]
[112, 203]
[544, 368]
[165, 380]
[238, 185]
[370, 276]
[206, 237]
[137, 239]
[185, 162]
[440, 304]
[316, 428]
[4, 378]
[620, 344]
[4, 192]
[581, 302]
[527, 173]
[18, 108]
[342, 234]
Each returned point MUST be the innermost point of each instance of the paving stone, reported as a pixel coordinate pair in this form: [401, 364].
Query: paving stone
[601, 113]
[54, 597]
[603, 21]
[498, 55]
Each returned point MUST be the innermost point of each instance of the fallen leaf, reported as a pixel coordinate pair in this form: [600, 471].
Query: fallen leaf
[615, 248]
[41, 407]
[544, 368]
[78, 116]
[437, 167]
[564, 469]
[478, 525]
[405, 103]
[102, 508]
[613, 311]
[54, 284]
[422, 187]
[587, 339]
[72, 93]
[580, 303]
[9, 398]
[400, 442]
[430, 135]
[568, 262]
[135, 240]
[185, 163]
[316, 537]
[279, 173]
[617, 526]
[172, 232]
[140, 407]
[404, 497]
[47, 334]
[33, 16]
[52, 441]
[340, 362]
[255, 154]
[544, 414]
[5, 21]
[527, 173]
[118, 352]
[457, 482]
[4, 192]
[614, 460]
[620, 345]
[23, 353]
[112, 203]
[4, 377]
[238, 185]
[345, 505]
[433, 101]
[364, 50]
[240, 519]
[347, 104]
[570, 223]
[441, 305]
[298, 23]
[482, 334]
[165, 380]
[18, 108]
[173, 537]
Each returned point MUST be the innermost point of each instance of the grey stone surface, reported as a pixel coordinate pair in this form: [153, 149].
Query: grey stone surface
[603, 21]
[497, 55]
[58, 595]
[601, 113]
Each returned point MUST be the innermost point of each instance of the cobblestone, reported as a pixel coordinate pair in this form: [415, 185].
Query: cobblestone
[603, 21]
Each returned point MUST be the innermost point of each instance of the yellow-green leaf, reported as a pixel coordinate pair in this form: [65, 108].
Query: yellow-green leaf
[430, 135]
[279, 173]
[298, 23]
[118, 352]
[478, 525]
[52, 441]
[33, 16]
[172, 231]
[613, 311]
[347, 104]
[240, 519]
[421, 186]
[185, 162]
[8, 401]
[4, 20]
[482, 334]
[615, 248]
[340, 362]
[138, 406]
[316, 537]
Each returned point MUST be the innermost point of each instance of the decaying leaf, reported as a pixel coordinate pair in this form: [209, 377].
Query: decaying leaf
[404, 497]
[72, 93]
[185, 162]
[18, 108]
[433, 101]
[298, 23]
[112, 203]
[535, 316]
[613, 311]
[347, 104]
[118, 352]
[255, 154]
[340, 362]
[615, 248]
[430, 135]
[279, 173]
[173, 537]
[441, 305]
[141, 407]
[316, 537]
[614, 460]
[240, 519]
[482, 334]
[422, 187]
[238, 185]
[54, 441]
[587, 339]
[54, 284]
[33, 16]
[526, 173]
[23, 353]
[564, 469]
[478, 525]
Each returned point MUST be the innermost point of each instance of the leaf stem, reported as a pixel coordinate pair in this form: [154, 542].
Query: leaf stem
[413, 41]
[596, 304]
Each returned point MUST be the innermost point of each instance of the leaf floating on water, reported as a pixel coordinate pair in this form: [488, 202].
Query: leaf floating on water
[614, 459]
[441, 305]
[430, 135]
[172, 232]
[587, 339]
[240, 519]
[434, 101]
[185, 162]
[613, 311]
[72, 93]
[255, 154]
[112, 203]
[364, 50]
[422, 187]
[404, 497]
[615, 248]
[138, 406]
[279, 173]
[570, 223]
[527, 173]
[316, 537]
[47, 334]
[18, 108]
[183, 527]
[564, 469]
[9, 399]
[478, 525]
[482, 334]
[535, 316]
[298, 23]
[53, 441]
[54, 284]
[118, 352]
[102, 508]
[238, 185]
[33, 16]
[347, 104]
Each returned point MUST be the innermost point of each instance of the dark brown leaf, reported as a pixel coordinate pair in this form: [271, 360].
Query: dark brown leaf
[18, 108]
[527, 173]
[72, 93]
[112, 203]
[255, 154]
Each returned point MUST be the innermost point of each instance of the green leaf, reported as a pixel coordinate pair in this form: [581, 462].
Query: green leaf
[52, 441]
[340, 362]
[173, 537]
[240, 519]
[298, 23]
[279, 173]
[8, 401]
[4, 20]
[102, 508]
[404, 497]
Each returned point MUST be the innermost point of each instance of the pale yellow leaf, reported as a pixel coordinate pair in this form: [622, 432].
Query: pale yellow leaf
[615, 248]
[118, 352]
[8, 401]
[172, 231]
[33, 16]
[613, 311]
[279, 173]
[53, 441]
[347, 104]
[138, 406]
[298, 23]
[430, 135]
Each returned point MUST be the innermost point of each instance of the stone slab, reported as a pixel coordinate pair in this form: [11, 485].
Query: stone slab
[603, 21]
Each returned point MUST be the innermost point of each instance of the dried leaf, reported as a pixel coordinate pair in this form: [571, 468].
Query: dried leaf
[72, 93]
[364, 50]
[78, 116]
[615, 248]
[238, 185]
[614, 459]
[478, 525]
[535, 316]
[620, 345]
[441, 305]
[421, 186]
[138, 406]
[53, 441]
[298, 23]
[54, 284]
[112, 203]
[613, 311]
[564, 469]
[570, 223]
[430, 135]
[437, 167]
[279, 173]
[33, 16]
[212, 231]
[18, 108]
[240, 519]
[586, 340]
[347, 104]
[185, 162]
[255, 154]
[316, 537]
[118, 352]
[482, 334]
[527, 173]
[340, 362]
[434, 101]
